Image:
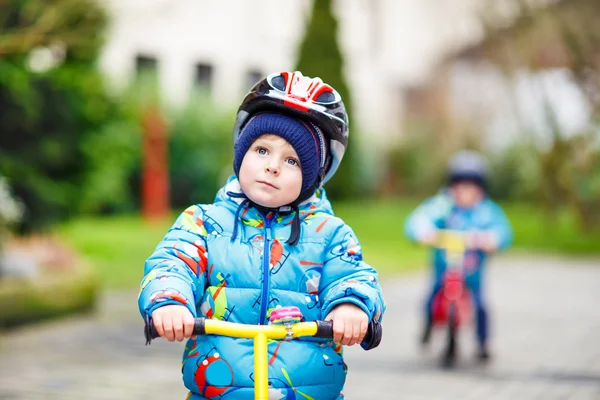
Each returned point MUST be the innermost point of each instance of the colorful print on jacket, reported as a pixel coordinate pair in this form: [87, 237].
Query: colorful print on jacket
[440, 212]
[200, 264]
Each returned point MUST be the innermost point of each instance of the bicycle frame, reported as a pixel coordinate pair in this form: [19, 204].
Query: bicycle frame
[454, 244]
[453, 286]
[260, 334]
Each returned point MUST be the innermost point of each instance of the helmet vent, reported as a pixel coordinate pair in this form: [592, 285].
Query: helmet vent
[325, 97]
[278, 83]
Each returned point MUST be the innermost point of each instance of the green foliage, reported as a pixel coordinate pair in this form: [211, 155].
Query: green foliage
[570, 177]
[564, 176]
[56, 112]
[77, 25]
[115, 246]
[319, 55]
[515, 173]
[48, 117]
[200, 151]
[561, 233]
[568, 169]
[113, 156]
[414, 167]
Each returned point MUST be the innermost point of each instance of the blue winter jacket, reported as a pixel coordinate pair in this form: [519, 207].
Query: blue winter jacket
[242, 277]
[440, 212]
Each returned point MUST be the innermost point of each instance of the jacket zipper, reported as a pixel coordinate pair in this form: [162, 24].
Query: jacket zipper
[264, 300]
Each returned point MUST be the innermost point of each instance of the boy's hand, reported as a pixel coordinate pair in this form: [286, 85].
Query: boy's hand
[350, 324]
[430, 239]
[483, 240]
[488, 243]
[173, 322]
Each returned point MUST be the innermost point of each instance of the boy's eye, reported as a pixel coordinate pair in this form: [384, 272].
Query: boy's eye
[261, 150]
[292, 161]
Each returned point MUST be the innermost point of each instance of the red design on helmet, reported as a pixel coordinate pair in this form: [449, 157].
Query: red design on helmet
[307, 98]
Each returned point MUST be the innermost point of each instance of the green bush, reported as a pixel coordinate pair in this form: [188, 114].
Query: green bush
[49, 119]
[200, 151]
[113, 157]
[515, 173]
[56, 114]
[414, 166]
[417, 168]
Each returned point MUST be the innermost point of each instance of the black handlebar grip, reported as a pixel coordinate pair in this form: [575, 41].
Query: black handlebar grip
[373, 336]
[324, 329]
[151, 333]
[199, 328]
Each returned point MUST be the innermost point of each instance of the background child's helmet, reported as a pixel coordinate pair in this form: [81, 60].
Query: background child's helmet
[468, 165]
[308, 98]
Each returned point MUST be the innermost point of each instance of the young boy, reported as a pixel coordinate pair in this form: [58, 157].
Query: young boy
[270, 239]
[464, 206]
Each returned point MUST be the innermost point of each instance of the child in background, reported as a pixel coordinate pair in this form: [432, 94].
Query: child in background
[463, 205]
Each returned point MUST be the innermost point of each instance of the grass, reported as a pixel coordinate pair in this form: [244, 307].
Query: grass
[117, 246]
[534, 230]
[380, 229]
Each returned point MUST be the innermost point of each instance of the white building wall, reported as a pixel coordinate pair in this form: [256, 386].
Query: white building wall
[387, 45]
[524, 107]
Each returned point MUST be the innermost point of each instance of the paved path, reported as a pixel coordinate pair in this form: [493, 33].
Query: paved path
[546, 342]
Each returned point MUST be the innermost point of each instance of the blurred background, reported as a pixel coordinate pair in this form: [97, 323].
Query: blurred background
[117, 115]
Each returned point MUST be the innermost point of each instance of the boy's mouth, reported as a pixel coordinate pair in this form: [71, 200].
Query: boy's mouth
[268, 184]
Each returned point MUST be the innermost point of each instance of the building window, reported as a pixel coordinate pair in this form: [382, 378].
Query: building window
[203, 77]
[252, 78]
[145, 65]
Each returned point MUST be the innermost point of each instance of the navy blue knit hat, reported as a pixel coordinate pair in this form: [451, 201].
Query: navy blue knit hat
[305, 137]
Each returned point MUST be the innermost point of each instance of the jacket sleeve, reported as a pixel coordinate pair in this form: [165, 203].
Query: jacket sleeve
[347, 278]
[176, 272]
[427, 217]
[500, 226]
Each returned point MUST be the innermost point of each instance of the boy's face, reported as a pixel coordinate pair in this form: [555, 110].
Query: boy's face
[466, 194]
[270, 174]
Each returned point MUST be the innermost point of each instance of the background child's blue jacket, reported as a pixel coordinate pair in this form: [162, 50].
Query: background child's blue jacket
[440, 212]
[242, 280]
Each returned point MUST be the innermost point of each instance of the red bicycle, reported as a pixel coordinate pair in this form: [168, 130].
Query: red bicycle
[452, 304]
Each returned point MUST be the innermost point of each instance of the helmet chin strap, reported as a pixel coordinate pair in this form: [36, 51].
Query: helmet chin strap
[295, 234]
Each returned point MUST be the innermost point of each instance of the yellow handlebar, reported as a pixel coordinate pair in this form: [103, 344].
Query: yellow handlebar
[224, 328]
[205, 326]
[452, 241]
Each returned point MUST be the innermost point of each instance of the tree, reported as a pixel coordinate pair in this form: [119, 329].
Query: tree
[53, 102]
[531, 40]
[28, 24]
[320, 56]
[563, 35]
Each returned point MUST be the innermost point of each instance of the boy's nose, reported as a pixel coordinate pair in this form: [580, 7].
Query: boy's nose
[273, 169]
